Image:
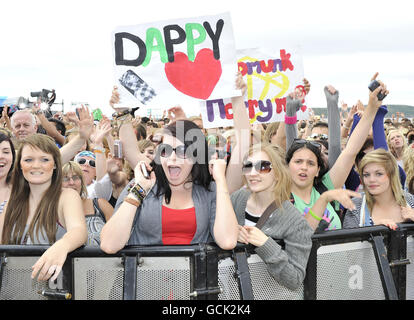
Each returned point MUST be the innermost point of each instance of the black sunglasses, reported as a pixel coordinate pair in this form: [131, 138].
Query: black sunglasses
[261, 166]
[166, 150]
[304, 142]
[91, 163]
[319, 136]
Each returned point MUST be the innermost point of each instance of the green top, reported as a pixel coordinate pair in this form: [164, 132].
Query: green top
[301, 205]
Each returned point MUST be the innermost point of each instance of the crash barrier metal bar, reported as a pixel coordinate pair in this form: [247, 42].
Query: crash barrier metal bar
[362, 263]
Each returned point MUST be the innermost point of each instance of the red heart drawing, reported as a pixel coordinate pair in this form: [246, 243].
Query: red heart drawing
[303, 108]
[196, 79]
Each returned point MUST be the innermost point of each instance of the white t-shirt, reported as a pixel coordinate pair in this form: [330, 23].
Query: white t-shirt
[100, 189]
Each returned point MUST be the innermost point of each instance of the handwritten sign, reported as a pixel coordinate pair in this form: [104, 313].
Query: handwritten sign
[270, 78]
[169, 62]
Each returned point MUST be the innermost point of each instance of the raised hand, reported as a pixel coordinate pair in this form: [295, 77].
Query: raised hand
[141, 180]
[176, 113]
[306, 85]
[86, 123]
[72, 117]
[241, 84]
[102, 130]
[114, 97]
[382, 88]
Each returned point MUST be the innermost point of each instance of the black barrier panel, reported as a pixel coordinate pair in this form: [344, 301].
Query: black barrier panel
[360, 263]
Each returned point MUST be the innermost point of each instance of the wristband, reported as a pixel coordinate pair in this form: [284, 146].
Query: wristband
[290, 120]
[138, 191]
[307, 210]
[99, 150]
[134, 202]
[326, 216]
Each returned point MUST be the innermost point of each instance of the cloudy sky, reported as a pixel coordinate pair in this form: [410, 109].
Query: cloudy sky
[66, 45]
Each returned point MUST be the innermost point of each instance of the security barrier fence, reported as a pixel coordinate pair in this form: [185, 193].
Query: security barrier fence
[371, 263]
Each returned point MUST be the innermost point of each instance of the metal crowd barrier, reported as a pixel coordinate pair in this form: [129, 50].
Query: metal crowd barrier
[371, 263]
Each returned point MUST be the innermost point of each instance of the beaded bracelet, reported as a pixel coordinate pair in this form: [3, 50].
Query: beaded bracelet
[307, 210]
[138, 191]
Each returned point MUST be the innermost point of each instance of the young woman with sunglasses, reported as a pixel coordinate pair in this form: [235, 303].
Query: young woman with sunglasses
[179, 203]
[39, 210]
[308, 170]
[87, 161]
[268, 181]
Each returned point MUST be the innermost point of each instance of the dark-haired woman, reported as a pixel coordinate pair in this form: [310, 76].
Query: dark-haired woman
[306, 165]
[39, 210]
[179, 203]
[7, 155]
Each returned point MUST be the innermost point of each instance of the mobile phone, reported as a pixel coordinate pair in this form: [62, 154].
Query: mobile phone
[373, 85]
[118, 149]
[137, 86]
[144, 170]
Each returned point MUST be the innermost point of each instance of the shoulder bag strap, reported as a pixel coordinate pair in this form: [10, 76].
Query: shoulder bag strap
[265, 215]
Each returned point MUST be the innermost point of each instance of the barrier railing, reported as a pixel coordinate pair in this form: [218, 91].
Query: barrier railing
[364, 263]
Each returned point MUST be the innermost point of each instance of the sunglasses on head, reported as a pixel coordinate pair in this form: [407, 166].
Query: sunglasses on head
[91, 163]
[166, 150]
[305, 142]
[319, 136]
[261, 166]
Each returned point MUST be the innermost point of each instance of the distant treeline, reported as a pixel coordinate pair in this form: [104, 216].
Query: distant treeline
[408, 111]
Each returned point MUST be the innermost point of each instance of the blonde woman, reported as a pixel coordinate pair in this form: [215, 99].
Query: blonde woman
[96, 211]
[408, 159]
[268, 183]
[384, 201]
[147, 148]
[397, 144]
[39, 210]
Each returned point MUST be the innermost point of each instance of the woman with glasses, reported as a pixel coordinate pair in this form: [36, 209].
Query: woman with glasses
[178, 203]
[97, 211]
[268, 189]
[39, 210]
[384, 201]
[88, 164]
[309, 172]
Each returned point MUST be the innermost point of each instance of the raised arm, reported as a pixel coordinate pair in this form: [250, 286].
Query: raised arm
[226, 228]
[292, 106]
[242, 133]
[334, 121]
[116, 232]
[50, 128]
[86, 126]
[102, 130]
[128, 137]
[340, 170]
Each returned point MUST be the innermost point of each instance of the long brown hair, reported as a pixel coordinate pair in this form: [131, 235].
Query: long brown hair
[46, 214]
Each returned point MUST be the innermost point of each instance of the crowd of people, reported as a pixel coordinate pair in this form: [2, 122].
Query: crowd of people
[67, 180]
